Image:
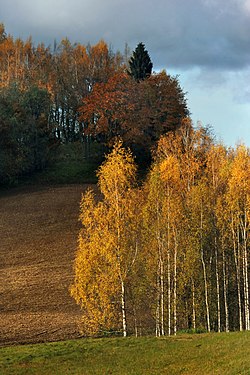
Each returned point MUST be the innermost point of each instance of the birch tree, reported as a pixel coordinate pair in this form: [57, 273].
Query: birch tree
[162, 217]
[216, 180]
[238, 200]
[155, 233]
[109, 236]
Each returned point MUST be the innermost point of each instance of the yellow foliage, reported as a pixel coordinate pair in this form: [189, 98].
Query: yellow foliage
[169, 170]
[164, 246]
[107, 250]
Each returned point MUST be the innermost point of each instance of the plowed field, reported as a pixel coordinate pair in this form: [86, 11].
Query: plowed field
[38, 240]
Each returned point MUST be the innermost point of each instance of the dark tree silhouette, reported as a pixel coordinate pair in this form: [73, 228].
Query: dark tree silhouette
[140, 63]
[2, 33]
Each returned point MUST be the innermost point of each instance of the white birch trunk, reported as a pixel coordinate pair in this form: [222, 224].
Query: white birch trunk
[157, 319]
[124, 321]
[175, 286]
[204, 272]
[135, 323]
[161, 278]
[246, 289]
[237, 266]
[123, 306]
[247, 292]
[245, 273]
[162, 298]
[217, 287]
[194, 312]
[157, 312]
[169, 295]
[206, 291]
[225, 292]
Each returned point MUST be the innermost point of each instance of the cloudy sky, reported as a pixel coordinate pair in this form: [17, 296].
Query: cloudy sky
[205, 42]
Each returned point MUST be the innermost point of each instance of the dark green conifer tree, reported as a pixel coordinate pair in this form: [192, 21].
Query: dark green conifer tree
[140, 64]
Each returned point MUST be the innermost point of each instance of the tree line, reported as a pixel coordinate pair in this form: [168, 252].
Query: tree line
[41, 89]
[171, 253]
[79, 93]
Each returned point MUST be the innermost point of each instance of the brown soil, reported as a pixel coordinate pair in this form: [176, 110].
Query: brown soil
[38, 241]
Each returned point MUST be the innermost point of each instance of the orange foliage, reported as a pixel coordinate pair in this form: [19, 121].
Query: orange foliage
[138, 112]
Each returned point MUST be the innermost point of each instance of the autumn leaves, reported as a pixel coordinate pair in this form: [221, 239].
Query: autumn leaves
[138, 112]
[93, 95]
[108, 245]
[171, 254]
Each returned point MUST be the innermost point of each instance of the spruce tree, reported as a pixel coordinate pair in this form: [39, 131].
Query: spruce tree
[140, 63]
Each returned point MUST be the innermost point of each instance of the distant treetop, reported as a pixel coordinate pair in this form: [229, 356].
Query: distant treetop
[2, 33]
[140, 64]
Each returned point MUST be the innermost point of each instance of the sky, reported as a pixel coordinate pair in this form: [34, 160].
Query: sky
[205, 42]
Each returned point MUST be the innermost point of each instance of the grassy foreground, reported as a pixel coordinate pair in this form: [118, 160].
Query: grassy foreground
[183, 354]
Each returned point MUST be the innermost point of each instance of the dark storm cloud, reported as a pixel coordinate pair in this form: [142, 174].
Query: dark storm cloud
[177, 33]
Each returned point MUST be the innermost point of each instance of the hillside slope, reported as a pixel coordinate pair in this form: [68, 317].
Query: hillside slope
[38, 240]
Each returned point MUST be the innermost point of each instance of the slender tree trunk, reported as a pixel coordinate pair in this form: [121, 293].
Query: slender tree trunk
[118, 252]
[157, 313]
[175, 285]
[246, 289]
[162, 296]
[157, 320]
[169, 295]
[124, 321]
[245, 273]
[237, 266]
[161, 275]
[217, 286]
[135, 323]
[168, 268]
[193, 301]
[247, 293]
[206, 290]
[225, 290]
[204, 271]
